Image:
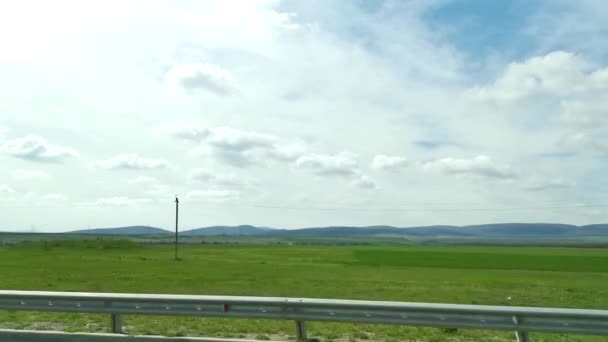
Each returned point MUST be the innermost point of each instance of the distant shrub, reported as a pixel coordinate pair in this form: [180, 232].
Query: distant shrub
[112, 244]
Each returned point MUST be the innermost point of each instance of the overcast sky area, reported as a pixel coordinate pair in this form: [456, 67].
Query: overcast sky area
[302, 113]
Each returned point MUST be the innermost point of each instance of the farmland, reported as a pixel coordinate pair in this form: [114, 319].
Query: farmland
[529, 276]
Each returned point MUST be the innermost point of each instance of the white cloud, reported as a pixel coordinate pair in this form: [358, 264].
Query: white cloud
[383, 162]
[159, 190]
[35, 148]
[234, 146]
[212, 196]
[341, 164]
[480, 166]
[540, 184]
[364, 182]
[142, 180]
[240, 157]
[584, 142]
[8, 194]
[49, 30]
[23, 175]
[557, 73]
[586, 113]
[560, 84]
[238, 140]
[6, 190]
[194, 131]
[131, 161]
[206, 76]
[218, 180]
[254, 27]
[122, 201]
[286, 152]
[53, 197]
[3, 131]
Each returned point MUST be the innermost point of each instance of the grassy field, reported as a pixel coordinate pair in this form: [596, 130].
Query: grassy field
[530, 276]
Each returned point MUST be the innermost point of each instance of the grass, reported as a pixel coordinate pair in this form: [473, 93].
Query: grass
[530, 276]
[505, 260]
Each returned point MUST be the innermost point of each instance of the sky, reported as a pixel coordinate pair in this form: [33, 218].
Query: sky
[302, 113]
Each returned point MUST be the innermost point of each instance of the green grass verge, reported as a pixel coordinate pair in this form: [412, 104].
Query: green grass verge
[530, 276]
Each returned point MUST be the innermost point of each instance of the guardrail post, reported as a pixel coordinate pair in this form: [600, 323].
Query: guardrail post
[301, 331]
[116, 323]
[521, 336]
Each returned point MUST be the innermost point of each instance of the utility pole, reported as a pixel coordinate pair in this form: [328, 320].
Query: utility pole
[176, 217]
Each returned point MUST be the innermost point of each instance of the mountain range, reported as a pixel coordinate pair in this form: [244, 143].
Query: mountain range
[502, 230]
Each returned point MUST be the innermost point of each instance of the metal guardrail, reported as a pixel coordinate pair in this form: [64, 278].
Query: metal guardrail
[521, 320]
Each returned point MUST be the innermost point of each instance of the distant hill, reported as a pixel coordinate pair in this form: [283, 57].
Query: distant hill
[377, 231]
[594, 229]
[502, 230]
[230, 230]
[486, 231]
[506, 230]
[132, 230]
[520, 229]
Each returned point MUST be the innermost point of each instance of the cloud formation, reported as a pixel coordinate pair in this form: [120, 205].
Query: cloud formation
[3, 131]
[215, 196]
[37, 149]
[29, 175]
[30, 198]
[131, 161]
[556, 73]
[5, 189]
[341, 164]
[219, 180]
[364, 182]
[192, 131]
[53, 197]
[587, 114]
[159, 190]
[391, 163]
[481, 165]
[142, 180]
[584, 142]
[204, 76]
[549, 184]
[233, 146]
[122, 201]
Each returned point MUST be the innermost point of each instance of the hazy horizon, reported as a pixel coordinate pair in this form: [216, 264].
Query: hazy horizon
[183, 229]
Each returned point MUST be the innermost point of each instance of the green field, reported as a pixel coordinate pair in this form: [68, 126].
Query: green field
[530, 276]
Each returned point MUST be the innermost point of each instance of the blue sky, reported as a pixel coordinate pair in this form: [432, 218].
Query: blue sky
[270, 112]
[485, 28]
